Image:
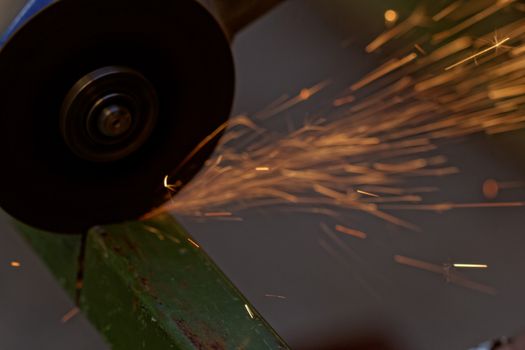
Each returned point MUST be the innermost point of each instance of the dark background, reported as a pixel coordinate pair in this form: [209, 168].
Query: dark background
[361, 300]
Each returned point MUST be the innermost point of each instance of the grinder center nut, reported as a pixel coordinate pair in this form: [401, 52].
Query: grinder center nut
[114, 121]
[108, 114]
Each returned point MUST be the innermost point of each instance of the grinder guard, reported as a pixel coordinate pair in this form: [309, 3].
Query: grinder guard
[179, 60]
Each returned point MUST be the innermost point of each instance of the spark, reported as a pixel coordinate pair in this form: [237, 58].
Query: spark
[449, 275]
[420, 49]
[70, 314]
[344, 101]
[375, 135]
[218, 214]
[471, 266]
[351, 232]
[385, 69]
[478, 17]
[415, 19]
[507, 92]
[275, 296]
[391, 16]
[249, 310]
[446, 11]
[490, 189]
[15, 264]
[193, 243]
[367, 193]
[169, 187]
[281, 106]
[474, 56]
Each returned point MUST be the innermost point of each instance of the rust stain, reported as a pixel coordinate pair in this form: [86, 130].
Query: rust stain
[196, 337]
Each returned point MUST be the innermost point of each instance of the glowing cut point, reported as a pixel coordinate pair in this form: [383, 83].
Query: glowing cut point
[170, 187]
[262, 168]
[15, 264]
[471, 266]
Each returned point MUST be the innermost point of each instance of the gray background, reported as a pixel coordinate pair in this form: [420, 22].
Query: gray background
[368, 302]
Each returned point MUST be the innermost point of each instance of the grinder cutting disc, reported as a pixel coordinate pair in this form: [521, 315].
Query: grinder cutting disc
[100, 100]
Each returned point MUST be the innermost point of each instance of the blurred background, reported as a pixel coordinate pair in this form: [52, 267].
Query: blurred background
[343, 294]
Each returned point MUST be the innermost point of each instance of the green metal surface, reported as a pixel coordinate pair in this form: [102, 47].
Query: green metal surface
[148, 285]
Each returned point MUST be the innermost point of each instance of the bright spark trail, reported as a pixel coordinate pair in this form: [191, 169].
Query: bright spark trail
[382, 131]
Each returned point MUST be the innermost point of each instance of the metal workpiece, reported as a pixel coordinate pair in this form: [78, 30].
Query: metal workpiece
[150, 285]
[165, 292]
[103, 99]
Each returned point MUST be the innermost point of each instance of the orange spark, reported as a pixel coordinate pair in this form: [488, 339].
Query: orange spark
[193, 242]
[507, 92]
[15, 264]
[385, 69]
[262, 168]
[490, 189]
[451, 276]
[420, 49]
[474, 56]
[218, 214]
[416, 18]
[367, 193]
[70, 314]
[351, 232]
[344, 101]
[498, 5]
[446, 11]
[377, 143]
[391, 16]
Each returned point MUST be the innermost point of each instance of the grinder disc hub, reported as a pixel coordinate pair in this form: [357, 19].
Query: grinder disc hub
[108, 114]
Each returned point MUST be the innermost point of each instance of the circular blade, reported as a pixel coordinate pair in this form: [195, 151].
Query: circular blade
[176, 45]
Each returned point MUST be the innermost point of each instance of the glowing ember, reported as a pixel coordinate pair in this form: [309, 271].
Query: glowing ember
[490, 189]
[391, 16]
[15, 264]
